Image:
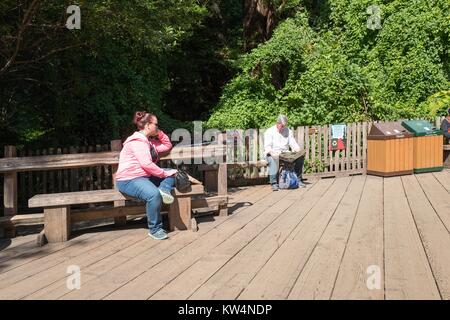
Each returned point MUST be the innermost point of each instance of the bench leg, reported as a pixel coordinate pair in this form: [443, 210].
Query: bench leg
[57, 224]
[120, 221]
[447, 159]
[223, 210]
[180, 214]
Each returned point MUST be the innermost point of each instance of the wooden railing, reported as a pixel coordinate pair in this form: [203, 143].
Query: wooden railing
[67, 167]
[315, 140]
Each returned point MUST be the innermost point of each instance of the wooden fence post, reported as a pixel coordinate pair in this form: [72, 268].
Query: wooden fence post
[116, 145]
[10, 192]
[222, 183]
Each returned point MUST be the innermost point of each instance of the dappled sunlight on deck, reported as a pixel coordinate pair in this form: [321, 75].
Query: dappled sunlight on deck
[359, 237]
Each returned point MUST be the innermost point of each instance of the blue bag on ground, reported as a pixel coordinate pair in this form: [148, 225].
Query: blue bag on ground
[288, 179]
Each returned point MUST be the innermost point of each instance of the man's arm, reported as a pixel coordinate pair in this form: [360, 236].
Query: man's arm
[292, 143]
[268, 142]
[445, 125]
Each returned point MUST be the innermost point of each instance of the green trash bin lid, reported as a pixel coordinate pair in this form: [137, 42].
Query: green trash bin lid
[421, 128]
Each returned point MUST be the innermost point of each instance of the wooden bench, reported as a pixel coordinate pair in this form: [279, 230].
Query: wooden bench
[57, 216]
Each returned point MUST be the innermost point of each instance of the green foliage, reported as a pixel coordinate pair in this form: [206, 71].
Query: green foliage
[312, 166]
[339, 70]
[438, 104]
[88, 94]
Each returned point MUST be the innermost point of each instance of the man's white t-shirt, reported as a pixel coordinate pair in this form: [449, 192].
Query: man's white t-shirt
[279, 141]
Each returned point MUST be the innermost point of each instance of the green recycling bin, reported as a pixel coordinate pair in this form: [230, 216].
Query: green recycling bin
[427, 146]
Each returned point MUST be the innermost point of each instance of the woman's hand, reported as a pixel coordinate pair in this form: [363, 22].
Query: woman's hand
[171, 172]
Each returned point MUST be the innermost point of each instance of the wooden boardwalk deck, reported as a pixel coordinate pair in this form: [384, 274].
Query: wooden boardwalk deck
[329, 241]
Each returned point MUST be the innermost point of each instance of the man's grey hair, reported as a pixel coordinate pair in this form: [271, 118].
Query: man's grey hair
[282, 119]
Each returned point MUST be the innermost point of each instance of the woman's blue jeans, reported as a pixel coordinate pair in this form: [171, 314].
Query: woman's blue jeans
[146, 189]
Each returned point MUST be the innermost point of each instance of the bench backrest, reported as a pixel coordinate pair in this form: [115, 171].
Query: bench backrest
[80, 160]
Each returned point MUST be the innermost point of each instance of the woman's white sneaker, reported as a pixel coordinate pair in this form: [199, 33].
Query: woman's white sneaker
[167, 198]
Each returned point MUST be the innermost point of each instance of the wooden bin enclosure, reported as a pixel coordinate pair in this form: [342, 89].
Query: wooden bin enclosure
[389, 150]
[427, 145]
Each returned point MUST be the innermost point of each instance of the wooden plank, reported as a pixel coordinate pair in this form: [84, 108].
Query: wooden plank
[116, 146]
[325, 148]
[316, 280]
[278, 219]
[253, 155]
[22, 219]
[112, 265]
[364, 148]
[437, 196]
[59, 174]
[435, 237]
[27, 258]
[44, 175]
[172, 267]
[337, 174]
[355, 141]
[30, 175]
[44, 258]
[38, 188]
[51, 175]
[331, 154]
[90, 172]
[80, 197]
[319, 144]
[10, 186]
[313, 150]
[108, 183]
[261, 163]
[407, 272]
[222, 182]
[98, 172]
[102, 213]
[209, 202]
[307, 144]
[277, 277]
[342, 158]
[73, 174]
[229, 280]
[57, 224]
[337, 161]
[127, 247]
[262, 156]
[82, 160]
[444, 179]
[348, 154]
[301, 137]
[210, 180]
[180, 214]
[364, 248]
[66, 181]
[194, 189]
[128, 274]
[22, 185]
[16, 246]
[358, 146]
[58, 273]
[108, 265]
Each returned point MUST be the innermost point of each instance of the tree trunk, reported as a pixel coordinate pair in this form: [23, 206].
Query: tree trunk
[259, 22]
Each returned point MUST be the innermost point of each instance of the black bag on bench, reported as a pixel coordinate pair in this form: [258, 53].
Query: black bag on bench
[182, 181]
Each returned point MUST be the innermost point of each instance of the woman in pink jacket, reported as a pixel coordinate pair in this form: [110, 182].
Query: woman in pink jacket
[140, 177]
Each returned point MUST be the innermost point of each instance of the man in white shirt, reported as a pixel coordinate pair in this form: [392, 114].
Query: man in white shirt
[277, 139]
